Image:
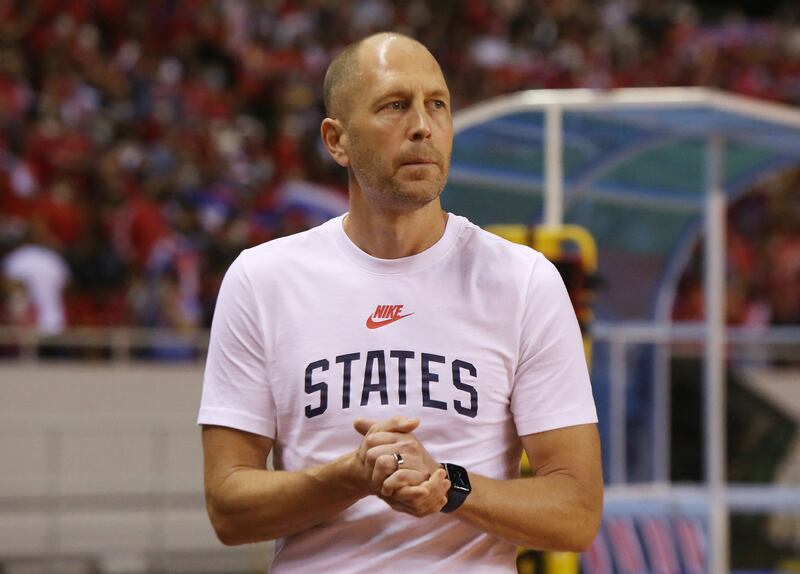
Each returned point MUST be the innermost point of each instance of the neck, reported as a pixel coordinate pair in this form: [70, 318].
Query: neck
[395, 234]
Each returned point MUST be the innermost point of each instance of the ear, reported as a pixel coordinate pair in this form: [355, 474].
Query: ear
[335, 140]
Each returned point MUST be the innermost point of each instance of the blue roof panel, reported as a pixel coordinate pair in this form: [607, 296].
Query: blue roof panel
[634, 165]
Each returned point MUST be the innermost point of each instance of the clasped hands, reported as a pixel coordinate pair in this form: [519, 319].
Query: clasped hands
[419, 485]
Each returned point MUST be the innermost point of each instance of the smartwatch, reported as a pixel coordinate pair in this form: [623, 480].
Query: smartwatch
[459, 486]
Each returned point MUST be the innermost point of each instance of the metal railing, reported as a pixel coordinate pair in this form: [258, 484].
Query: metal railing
[104, 343]
[675, 339]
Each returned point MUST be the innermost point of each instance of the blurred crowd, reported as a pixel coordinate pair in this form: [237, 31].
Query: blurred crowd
[144, 143]
[763, 259]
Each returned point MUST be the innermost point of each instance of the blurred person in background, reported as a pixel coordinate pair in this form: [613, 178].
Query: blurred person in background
[35, 277]
[480, 356]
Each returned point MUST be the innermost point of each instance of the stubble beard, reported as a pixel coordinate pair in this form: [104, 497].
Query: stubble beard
[385, 191]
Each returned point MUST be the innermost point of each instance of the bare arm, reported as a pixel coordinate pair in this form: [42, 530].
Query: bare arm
[247, 503]
[559, 508]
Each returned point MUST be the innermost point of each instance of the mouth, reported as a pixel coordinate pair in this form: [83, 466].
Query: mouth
[418, 162]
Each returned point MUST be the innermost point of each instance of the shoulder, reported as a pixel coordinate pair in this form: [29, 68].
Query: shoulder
[501, 256]
[286, 253]
[35, 259]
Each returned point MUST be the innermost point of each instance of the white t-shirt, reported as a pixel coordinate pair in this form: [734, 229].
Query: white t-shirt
[476, 336]
[45, 275]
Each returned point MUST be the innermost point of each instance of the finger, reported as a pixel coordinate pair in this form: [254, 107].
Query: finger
[438, 482]
[363, 425]
[400, 478]
[395, 424]
[423, 499]
[405, 442]
[386, 437]
[435, 487]
[440, 486]
[417, 508]
[439, 477]
[408, 494]
[410, 461]
[398, 506]
[385, 465]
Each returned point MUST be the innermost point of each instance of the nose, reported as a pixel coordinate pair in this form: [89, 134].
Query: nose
[420, 123]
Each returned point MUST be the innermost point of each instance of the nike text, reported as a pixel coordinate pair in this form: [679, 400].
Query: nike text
[384, 315]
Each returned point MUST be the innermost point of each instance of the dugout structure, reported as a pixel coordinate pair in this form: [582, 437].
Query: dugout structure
[647, 172]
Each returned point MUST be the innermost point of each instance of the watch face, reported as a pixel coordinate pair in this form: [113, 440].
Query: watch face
[459, 478]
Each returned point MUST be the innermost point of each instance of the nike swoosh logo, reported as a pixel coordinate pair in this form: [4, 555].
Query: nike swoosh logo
[372, 324]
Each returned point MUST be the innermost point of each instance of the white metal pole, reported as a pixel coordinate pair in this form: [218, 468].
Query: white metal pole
[714, 366]
[662, 402]
[553, 167]
[619, 409]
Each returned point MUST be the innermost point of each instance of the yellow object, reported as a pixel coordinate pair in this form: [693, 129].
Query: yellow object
[526, 562]
[561, 563]
[515, 233]
[551, 241]
[558, 243]
[789, 566]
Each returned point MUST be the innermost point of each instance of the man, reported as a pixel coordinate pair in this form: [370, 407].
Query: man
[447, 348]
[37, 274]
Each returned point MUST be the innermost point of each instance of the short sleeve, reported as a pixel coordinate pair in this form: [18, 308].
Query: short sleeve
[551, 384]
[236, 390]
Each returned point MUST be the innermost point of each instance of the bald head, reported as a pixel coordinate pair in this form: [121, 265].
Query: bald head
[345, 71]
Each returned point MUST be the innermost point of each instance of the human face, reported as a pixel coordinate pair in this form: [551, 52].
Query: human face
[399, 129]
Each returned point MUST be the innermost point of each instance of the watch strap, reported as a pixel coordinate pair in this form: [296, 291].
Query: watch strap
[455, 496]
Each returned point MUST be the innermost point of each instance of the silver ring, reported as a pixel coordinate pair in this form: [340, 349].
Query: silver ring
[398, 458]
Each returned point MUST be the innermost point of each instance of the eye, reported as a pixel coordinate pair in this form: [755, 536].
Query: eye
[396, 105]
[439, 104]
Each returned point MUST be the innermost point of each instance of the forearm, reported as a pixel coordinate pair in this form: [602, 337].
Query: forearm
[551, 512]
[253, 504]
